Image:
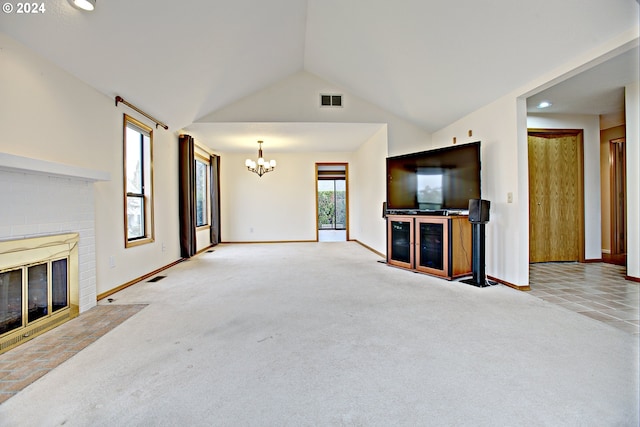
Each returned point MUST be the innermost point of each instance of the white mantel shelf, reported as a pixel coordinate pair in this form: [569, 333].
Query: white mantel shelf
[14, 163]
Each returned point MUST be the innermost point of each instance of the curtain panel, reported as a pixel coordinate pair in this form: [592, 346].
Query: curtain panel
[214, 198]
[187, 206]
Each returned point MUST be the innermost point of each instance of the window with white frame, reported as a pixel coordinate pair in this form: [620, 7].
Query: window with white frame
[138, 182]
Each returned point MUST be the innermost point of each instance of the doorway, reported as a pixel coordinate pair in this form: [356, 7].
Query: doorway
[332, 216]
[618, 179]
[556, 195]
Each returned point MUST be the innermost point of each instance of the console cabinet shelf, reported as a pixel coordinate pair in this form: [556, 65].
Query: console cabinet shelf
[436, 245]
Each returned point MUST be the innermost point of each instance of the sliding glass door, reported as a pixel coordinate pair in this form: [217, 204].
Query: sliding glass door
[332, 204]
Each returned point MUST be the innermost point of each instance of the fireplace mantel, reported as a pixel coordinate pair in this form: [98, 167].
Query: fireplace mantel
[12, 162]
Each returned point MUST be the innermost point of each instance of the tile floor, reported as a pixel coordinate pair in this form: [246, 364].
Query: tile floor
[597, 290]
[24, 364]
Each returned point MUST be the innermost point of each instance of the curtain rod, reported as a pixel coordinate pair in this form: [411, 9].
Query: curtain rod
[133, 107]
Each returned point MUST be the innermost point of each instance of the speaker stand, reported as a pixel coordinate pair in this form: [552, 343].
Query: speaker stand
[478, 263]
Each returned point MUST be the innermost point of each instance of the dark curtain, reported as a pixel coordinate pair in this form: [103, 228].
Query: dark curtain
[187, 204]
[214, 197]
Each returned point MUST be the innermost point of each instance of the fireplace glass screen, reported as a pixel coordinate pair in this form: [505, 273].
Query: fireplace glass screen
[59, 293]
[10, 300]
[37, 296]
[39, 284]
[44, 295]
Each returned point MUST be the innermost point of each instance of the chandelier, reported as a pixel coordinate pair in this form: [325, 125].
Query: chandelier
[262, 166]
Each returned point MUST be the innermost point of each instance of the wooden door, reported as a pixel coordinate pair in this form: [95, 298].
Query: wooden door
[556, 207]
[618, 171]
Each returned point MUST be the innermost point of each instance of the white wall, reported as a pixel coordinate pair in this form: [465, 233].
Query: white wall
[279, 206]
[632, 106]
[495, 126]
[367, 178]
[49, 114]
[591, 139]
[502, 128]
[35, 204]
[134, 262]
[293, 184]
[297, 100]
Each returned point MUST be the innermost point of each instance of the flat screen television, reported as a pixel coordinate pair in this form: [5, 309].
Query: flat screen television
[434, 180]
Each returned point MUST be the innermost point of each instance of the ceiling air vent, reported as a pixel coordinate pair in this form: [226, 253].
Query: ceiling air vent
[327, 100]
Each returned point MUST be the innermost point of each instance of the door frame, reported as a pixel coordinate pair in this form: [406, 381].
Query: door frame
[613, 197]
[579, 133]
[346, 179]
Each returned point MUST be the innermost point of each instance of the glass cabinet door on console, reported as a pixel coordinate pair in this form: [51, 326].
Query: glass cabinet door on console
[436, 245]
[432, 250]
[400, 236]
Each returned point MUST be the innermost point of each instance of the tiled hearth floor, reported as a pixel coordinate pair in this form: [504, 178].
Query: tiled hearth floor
[597, 290]
[24, 364]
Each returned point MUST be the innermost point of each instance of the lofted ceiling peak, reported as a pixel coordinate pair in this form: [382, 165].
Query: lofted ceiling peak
[427, 61]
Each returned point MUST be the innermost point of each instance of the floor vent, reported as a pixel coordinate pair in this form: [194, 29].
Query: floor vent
[329, 100]
[156, 279]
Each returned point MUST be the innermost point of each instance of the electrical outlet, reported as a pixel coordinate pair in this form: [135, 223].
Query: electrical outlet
[164, 247]
[250, 229]
[112, 262]
[509, 197]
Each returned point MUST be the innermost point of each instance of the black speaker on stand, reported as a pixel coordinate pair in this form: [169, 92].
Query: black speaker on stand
[478, 217]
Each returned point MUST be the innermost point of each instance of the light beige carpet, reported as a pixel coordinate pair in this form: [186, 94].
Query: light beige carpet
[322, 334]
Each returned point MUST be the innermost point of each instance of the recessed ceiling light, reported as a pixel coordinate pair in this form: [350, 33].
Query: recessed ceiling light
[544, 104]
[83, 4]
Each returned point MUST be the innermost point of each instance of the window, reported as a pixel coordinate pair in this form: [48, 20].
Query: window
[201, 187]
[138, 182]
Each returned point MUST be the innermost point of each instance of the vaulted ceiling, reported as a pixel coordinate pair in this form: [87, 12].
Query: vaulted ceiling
[427, 61]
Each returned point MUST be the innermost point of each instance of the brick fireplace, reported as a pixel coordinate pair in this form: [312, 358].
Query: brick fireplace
[38, 286]
[42, 199]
